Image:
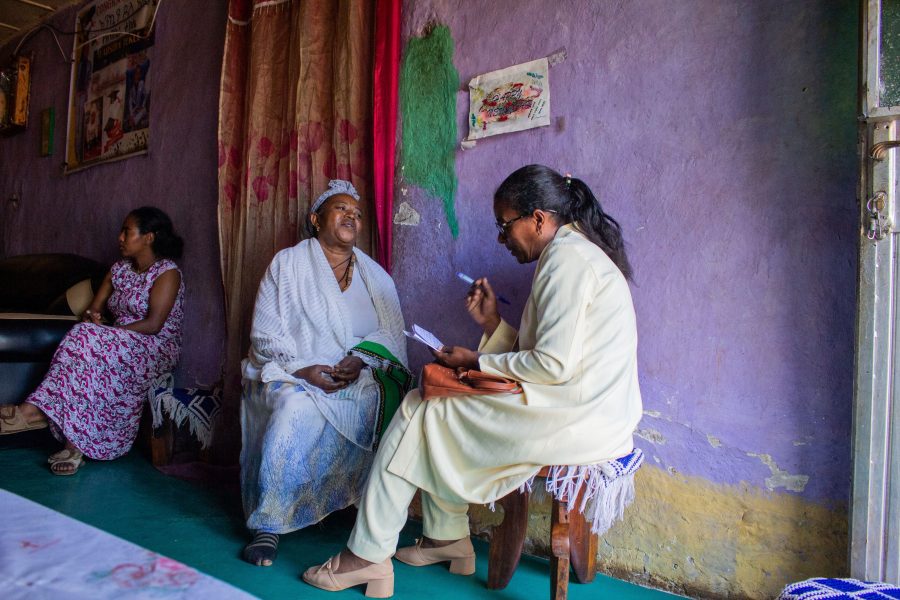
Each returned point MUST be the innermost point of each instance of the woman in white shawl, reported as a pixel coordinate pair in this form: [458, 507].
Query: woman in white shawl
[325, 374]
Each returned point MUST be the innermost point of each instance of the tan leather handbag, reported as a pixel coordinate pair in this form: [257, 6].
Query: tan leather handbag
[438, 381]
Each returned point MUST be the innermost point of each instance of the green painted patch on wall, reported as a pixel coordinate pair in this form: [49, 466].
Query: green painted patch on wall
[428, 85]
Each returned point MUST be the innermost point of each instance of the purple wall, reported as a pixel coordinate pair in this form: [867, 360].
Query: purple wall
[82, 212]
[721, 134]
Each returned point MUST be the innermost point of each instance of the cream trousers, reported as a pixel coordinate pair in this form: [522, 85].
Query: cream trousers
[383, 509]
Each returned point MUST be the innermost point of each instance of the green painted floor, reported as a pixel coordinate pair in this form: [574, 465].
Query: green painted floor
[203, 527]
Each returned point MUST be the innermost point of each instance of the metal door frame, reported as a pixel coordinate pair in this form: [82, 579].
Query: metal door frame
[875, 499]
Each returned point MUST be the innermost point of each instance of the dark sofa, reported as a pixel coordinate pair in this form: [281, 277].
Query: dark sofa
[40, 298]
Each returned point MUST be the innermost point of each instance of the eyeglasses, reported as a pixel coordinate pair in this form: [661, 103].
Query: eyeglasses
[503, 227]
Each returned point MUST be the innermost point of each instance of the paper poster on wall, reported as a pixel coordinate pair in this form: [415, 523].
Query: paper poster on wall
[112, 74]
[511, 99]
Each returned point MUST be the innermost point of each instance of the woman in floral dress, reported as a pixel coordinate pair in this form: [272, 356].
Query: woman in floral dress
[94, 392]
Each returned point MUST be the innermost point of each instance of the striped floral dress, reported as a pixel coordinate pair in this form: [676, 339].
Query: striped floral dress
[95, 389]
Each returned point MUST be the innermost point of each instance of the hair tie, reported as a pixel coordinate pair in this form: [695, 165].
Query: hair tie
[568, 179]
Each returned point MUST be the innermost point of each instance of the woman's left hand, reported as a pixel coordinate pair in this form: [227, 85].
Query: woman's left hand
[457, 357]
[348, 369]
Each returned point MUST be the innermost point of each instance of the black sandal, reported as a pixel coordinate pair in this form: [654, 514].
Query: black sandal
[262, 549]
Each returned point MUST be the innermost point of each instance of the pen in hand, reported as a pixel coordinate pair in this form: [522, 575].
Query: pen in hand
[470, 281]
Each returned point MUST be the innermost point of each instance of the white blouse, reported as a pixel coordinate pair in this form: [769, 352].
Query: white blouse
[364, 319]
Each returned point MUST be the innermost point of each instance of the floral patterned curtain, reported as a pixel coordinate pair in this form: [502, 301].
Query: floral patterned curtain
[294, 111]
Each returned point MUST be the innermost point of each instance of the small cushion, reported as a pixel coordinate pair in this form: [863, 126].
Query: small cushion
[79, 296]
[822, 588]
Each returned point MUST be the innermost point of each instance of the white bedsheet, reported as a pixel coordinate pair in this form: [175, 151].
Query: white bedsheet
[47, 555]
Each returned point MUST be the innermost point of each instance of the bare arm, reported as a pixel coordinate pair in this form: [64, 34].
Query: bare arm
[162, 299]
[95, 310]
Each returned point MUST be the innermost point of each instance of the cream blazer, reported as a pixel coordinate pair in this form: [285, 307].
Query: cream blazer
[577, 363]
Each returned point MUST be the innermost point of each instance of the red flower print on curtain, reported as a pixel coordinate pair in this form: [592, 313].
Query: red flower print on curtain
[296, 90]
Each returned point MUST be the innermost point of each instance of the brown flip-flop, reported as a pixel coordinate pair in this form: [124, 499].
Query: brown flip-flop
[13, 421]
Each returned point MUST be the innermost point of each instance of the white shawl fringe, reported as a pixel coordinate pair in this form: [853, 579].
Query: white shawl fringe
[165, 403]
[608, 489]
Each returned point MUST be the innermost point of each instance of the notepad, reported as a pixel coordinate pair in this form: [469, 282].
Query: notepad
[424, 336]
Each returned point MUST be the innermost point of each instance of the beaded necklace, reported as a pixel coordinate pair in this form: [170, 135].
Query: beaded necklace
[345, 279]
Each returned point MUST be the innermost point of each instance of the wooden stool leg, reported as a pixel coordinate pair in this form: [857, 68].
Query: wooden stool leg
[162, 444]
[507, 540]
[582, 545]
[559, 545]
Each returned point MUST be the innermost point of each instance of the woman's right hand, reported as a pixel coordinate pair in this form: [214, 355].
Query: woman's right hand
[316, 375]
[481, 302]
[91, 316]
[94, 312]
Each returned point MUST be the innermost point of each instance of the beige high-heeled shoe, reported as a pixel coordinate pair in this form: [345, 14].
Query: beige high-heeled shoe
[379, 578]
[461, 555]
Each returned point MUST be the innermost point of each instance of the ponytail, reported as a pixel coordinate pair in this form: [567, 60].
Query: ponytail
[536, 187]
[599, 227]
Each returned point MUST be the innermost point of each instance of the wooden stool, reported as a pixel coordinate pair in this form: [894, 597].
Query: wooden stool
[194, 408]
[571, 542]
[159, 443]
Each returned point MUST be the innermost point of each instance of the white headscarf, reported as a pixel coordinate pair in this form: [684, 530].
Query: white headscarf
[335, 187]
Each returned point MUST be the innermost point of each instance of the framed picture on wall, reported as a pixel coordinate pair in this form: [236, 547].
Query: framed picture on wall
[511, 99]
[111, 81]
[15, 93]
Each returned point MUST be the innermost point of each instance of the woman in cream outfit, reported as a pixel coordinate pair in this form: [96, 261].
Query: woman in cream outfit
[577, 364]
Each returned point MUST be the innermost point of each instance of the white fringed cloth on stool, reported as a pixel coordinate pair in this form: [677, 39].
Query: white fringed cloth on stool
[196, 406]
[609, 488]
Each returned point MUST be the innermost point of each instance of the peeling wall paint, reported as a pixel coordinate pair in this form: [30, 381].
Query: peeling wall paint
[689, 536]
[779, 478]
[700, 539]
[651, 435]
[406, 215]
[741, 464]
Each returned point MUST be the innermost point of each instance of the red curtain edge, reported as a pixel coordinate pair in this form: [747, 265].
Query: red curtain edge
[385, 82]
